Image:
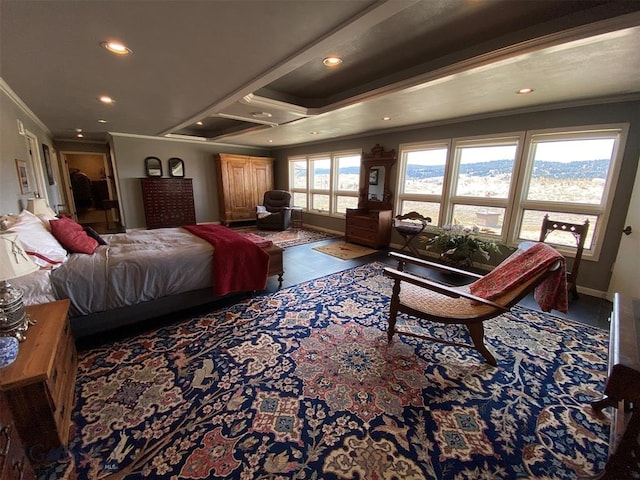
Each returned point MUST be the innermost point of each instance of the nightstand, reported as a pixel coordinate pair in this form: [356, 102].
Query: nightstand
[14, 463]
[39, 385]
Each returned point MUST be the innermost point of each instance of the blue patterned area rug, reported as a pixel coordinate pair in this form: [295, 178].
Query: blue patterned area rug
[301, 384]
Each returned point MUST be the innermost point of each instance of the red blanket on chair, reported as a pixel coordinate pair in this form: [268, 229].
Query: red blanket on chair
[239, 265]
[550, 294]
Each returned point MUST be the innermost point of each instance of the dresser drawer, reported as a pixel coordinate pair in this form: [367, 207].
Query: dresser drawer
[13, 458]
[363, 234]
[362, 222]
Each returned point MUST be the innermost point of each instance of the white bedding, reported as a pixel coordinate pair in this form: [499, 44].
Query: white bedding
[134, 267]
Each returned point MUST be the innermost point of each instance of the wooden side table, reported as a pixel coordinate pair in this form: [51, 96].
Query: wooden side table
[14, 463]
[39, 385]
[296, 217]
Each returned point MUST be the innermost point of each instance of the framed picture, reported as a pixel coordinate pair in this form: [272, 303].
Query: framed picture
[47, 164]
[373, 176]
[23, 176]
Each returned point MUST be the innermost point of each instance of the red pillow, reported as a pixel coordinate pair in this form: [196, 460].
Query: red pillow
[72, 236]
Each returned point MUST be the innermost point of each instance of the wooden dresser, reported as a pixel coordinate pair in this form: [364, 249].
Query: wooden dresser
[39, 385]
[168, 202]
[14, 463]
[368, 227]
[622, 390]
[242, 181]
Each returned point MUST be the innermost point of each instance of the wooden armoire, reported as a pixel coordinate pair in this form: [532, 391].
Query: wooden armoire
[242, 181]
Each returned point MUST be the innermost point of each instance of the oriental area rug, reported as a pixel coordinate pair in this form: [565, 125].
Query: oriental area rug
[302, 384]
[288, 238]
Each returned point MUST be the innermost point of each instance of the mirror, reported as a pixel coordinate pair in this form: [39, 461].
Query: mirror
[376, 194]
[153, 166]
[176, 167]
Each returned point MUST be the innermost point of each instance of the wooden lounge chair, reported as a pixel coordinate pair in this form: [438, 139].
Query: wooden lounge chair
[487, 297]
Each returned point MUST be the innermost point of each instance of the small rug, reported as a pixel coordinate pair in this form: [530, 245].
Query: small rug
[344, 250]
[288, 238]
[302, 384]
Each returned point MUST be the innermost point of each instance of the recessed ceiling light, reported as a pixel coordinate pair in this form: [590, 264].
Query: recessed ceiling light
[78, 130]
[332, 61]
[106, 99]
[261, 115]
[79, 135]
[314, 133]
[523, 91]
[102, 120]
[116, 47]
[386, 118]
[199, 124]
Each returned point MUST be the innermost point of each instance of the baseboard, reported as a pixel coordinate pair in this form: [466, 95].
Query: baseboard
[324, 230]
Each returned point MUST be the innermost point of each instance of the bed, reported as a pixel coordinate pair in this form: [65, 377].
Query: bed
[130, 277]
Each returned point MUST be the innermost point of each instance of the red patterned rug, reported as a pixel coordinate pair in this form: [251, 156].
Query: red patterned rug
[290, 237]
[302, 384]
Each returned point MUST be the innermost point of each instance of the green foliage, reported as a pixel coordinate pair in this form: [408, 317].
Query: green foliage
[458, 244]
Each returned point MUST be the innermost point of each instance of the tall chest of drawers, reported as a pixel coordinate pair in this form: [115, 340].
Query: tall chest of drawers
[168, 202]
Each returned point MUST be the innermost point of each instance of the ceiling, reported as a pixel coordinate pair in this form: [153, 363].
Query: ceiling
[251, 71]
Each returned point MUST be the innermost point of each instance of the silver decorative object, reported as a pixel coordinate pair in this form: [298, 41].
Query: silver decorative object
[14, 262]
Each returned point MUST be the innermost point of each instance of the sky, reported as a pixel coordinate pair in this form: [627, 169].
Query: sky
[557, 151]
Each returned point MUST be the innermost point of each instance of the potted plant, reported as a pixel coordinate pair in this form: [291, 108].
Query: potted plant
[459, 246]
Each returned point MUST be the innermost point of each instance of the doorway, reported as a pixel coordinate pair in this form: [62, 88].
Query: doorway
[92, 190]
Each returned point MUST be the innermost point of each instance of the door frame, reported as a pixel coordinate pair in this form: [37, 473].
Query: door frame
[624, 272]
[33, 146]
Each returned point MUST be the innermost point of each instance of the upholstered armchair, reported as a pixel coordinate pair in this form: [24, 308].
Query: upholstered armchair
[274, 213]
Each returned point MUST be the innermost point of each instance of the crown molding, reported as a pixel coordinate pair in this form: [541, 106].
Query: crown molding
[13, 96]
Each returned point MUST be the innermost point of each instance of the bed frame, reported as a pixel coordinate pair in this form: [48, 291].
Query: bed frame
[100, 322]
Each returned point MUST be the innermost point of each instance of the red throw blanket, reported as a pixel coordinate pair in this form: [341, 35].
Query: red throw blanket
[550, 294]
[239, 265]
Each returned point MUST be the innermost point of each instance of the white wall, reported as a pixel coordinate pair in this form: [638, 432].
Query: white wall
[13, 146]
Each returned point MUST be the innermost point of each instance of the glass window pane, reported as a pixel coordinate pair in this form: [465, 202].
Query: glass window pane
[349, 173]
[424, 171]
[299, 199]
[426, 209]
[320, 202]
[320, 174]
[570, 171]
[342, 203]
[532, 221]
[485, 170]
[488, 219]
[299, 174]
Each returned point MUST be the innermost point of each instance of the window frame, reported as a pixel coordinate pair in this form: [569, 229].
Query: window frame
[402, 196]
[516, 203]
[333, 192]
[601, 211]
[504, 203]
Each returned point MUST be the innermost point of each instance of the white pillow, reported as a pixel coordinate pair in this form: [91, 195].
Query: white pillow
[41, 246]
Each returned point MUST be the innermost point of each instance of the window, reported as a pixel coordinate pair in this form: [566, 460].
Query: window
[422, 179]
[325, 183]
[481, 182]
[569, 175]
[298, 182]
[505, 185]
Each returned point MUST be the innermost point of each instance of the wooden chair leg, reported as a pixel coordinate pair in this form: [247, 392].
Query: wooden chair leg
[476, 330]
[393, 311]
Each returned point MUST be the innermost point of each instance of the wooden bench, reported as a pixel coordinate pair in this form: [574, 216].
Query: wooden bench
[622, 390]
[276, 266]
